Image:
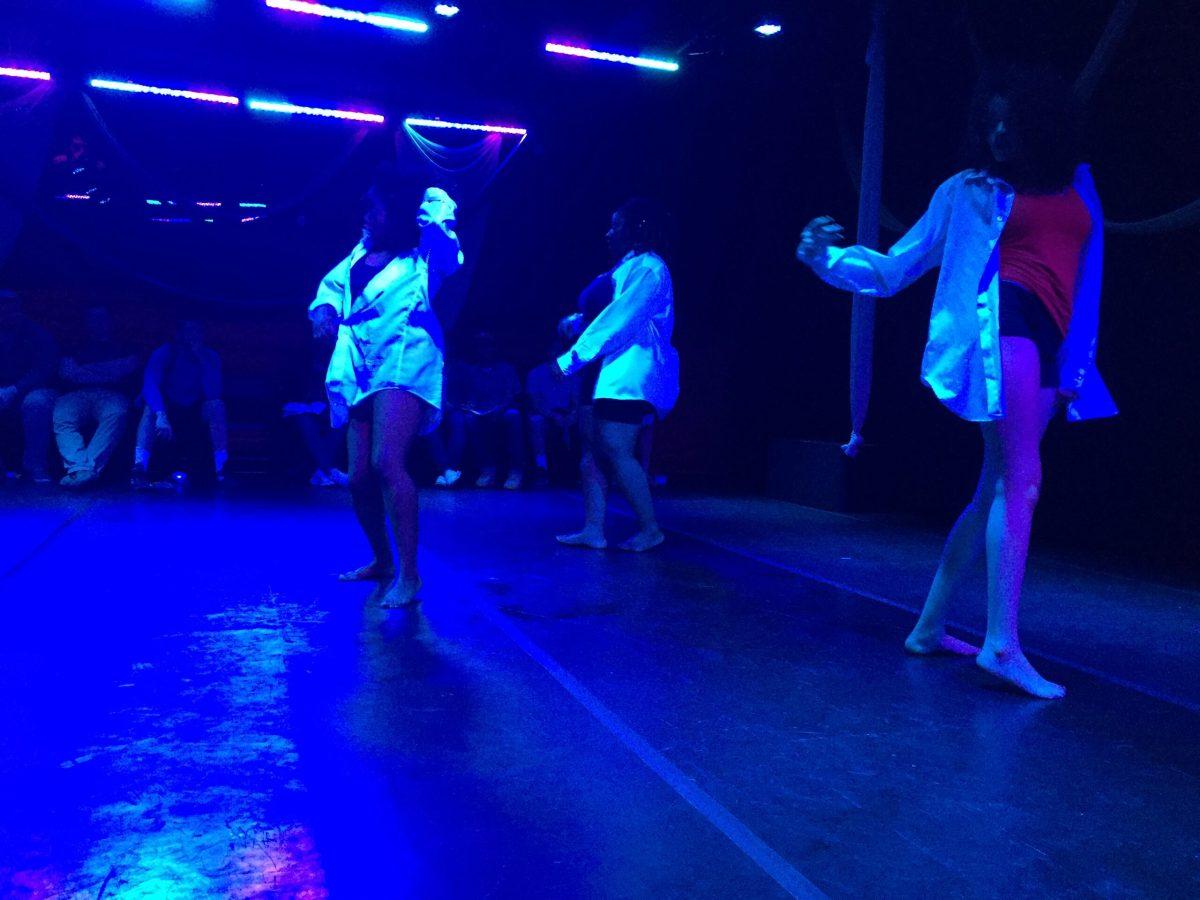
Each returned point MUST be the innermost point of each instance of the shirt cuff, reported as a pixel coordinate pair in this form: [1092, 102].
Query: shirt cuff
[570, 363]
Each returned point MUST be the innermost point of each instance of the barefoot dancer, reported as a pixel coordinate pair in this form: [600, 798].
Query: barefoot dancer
[638, 378]
[1012, 335]
[385, 376]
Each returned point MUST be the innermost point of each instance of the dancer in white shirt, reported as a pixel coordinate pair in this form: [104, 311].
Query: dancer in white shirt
[385, 375]
[638, 380]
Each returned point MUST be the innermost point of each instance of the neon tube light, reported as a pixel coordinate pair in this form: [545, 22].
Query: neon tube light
[9, 72]
[130, 87]
[247, 205]
[769, 29]
[379, 20]
[446, 9]
[208, 202]
[464, 126]
[643, 62]
[269, 106]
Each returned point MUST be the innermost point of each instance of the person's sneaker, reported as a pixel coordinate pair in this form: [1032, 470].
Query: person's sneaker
[486, 478]
[320, 479]
[79, 478]
[449, 478]
[513, 481]
[338, 477]
[139, 479]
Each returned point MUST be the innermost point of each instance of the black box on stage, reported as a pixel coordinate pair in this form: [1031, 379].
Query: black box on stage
[820, 475]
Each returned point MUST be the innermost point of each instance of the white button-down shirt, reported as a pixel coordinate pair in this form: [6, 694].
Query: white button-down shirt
[961, 233]
[388, 336]
[632, 335]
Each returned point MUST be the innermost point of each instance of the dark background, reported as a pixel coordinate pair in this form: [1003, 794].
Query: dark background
[747, 142]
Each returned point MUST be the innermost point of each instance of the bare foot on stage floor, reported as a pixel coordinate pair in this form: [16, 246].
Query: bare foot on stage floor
[373, 571]
[938, 644]
[400, 593]
[643, 541]
[1013, 668]
[593, 540]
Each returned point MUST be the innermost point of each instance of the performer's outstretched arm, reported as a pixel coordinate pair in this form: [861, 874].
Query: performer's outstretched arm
[618, 323]
[870, 272]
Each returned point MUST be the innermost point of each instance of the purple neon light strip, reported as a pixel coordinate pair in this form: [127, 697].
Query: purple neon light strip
[379, 20]
[464, 126]
[643, 62]
[36, 75]
[130, 87]
[291, 108]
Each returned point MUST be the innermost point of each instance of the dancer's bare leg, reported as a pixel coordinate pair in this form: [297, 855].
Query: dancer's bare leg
[595, 488]
[396, 423]
[1027, 410]
[963, 548]
[368, 497]
[619, 446]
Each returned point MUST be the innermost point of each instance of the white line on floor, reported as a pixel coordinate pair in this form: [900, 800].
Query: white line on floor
[774, 865]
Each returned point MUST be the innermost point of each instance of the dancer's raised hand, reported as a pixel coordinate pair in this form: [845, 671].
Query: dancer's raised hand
[818, 235]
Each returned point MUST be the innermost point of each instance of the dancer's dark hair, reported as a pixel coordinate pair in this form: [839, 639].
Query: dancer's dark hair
[1045, 119]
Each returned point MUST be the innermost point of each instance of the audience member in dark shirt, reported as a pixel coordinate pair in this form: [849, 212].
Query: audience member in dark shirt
[99, 382]
[28, 360]
[308, 410]
[184, 409]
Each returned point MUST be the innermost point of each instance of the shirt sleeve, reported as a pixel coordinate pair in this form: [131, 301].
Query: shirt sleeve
[152, 381]
[618, 324]
[331, 291]
[876, 274]
[441, 249]
[1078, 356]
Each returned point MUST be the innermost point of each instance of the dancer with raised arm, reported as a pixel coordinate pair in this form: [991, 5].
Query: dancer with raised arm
[385, 375]
[637, 382]
[1012, 335]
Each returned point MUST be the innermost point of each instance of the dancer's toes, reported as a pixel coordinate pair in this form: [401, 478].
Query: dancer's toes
[590, 539]
[938, 644]
[643, 541]
[372, 571]
[1013, 668]
[400, 593]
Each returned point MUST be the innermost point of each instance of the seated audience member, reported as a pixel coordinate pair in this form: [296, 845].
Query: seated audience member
[551, 403]
[28, 361]
[308, 411]
[448, 443]
[184, 413]
[99, 381]
[490, 390]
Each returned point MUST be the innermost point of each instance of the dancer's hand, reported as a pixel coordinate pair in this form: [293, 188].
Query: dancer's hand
[818, 236]
[162, 425]
[571, 327]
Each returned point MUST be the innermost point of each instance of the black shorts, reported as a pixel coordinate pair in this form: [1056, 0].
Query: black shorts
[588, 376]
[626, 412]
[1023, 315]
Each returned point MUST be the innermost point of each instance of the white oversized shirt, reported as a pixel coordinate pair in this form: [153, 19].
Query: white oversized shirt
[388, 336]
[632, 335]
[961, 232]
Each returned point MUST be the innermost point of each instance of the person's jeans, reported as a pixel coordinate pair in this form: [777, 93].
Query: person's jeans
[37, 411]
[105, 409]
